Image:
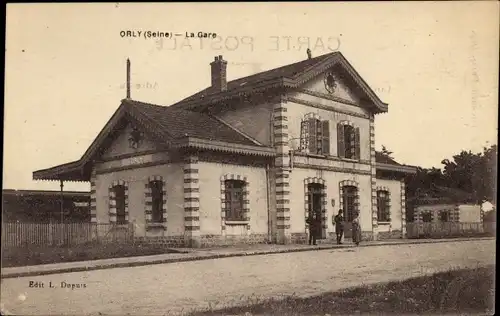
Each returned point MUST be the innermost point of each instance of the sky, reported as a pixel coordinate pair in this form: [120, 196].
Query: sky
[434, 63]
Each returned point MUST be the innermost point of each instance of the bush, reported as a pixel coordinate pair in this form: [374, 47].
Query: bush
[467, 291]
[25, 256]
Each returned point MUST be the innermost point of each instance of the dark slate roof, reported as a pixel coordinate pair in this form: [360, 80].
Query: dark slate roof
[179, 123]
[381, 158]
[286, 71]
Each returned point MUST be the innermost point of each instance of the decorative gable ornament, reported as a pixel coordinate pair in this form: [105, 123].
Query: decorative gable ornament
[135, 138]
[330, 83]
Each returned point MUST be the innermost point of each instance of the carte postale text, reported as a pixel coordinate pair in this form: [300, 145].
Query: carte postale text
[51, 285]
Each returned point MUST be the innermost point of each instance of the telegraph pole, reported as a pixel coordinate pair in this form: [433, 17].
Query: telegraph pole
[62, 202]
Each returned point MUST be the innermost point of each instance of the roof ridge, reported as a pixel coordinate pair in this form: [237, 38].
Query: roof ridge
[287, 65]
[208, 91]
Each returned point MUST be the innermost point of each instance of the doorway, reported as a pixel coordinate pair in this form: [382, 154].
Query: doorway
[350, 207]
[316, 203]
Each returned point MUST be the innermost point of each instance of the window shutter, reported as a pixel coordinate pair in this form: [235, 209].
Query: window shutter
[357, 145]
[319, 137]
[356, 200]
[304, 135]
[388, 206]
[379, 206]
[313, 142]
[340, 140]
[227, 204]
[326, 138]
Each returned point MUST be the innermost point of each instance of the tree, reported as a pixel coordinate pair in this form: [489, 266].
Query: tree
[489, 171]
[473, 173]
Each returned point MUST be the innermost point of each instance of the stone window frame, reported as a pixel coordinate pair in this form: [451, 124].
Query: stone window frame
[112, 201]
[355, 141]
[448, 216]
[388, 193]
[350, 183]
[424, 213]
[148, 209]
[322, 135]
[246, 201]
[324, 201]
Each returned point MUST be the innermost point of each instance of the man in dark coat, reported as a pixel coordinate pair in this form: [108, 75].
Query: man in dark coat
[313, 222]
[339, 226]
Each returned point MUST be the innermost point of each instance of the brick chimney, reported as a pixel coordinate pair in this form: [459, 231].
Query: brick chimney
[219, 78]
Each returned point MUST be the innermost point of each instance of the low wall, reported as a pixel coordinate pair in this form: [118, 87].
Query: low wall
[303, 238]
[205, 240]
[394, 234]
[444, 229]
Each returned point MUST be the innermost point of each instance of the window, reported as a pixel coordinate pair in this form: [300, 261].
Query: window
[426, 217]
[348, 145]
[157, 200]
[315, 135]
[234, 200]
[120, 204]
[383, 206]
[349, 201]
[444, 216]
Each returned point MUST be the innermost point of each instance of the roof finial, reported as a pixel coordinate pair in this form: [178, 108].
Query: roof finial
[128, 78]
[309, 54]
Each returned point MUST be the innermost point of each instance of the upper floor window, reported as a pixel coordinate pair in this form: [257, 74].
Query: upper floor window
[348, 144]
[234, 200]
[119, 191]
[315, 135]
[157, 200]
[383, 206]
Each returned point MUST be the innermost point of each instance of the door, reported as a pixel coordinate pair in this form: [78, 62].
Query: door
[316, 206]
[349, 194]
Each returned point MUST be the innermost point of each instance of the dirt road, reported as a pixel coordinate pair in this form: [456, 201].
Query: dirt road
[166, 289]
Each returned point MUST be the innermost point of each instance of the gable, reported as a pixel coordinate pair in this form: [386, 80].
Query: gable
[120, 144]
[293, 76]
[341, 88]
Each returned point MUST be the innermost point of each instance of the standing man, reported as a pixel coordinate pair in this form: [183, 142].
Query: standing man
[339, 226]
[313, 228]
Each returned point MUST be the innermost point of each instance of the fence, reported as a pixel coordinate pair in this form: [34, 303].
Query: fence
[448, 229]
[67, 234]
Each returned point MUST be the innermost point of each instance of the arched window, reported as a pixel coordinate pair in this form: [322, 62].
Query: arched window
[314, 135]
[383, 206]
[234, 200]
[157, 201]
[426, 216]
[444, 216]
[350, 201]
[348, 140]
[120, 200]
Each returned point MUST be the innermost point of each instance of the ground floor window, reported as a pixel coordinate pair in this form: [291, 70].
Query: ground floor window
[426, 217]
[383, 206]
[120, 201]
[157, 200]
[444, 216]
[234, 200]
